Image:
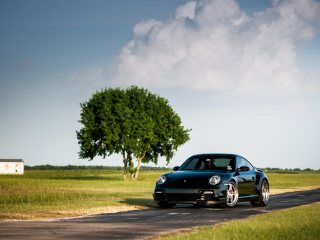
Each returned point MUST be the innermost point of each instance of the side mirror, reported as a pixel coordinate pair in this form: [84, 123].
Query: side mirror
[237, 172]
[176, 168]
[244, 168]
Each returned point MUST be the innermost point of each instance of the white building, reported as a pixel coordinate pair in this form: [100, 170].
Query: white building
[11, 166]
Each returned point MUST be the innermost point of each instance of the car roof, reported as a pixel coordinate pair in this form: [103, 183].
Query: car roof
[218, 154]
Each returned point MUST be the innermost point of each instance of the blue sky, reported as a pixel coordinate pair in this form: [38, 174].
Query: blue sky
[244, 75]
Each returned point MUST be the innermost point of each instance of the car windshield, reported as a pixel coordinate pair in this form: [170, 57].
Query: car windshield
[208, 162]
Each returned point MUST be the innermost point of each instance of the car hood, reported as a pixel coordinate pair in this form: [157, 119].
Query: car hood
[191, 179]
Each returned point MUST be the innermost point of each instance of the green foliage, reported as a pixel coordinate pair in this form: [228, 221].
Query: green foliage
[133, 122]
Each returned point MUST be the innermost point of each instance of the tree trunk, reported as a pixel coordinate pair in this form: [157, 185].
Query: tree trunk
[138, 167]
[139, 164]
[125, 162]
[131, 168]
[131, 165]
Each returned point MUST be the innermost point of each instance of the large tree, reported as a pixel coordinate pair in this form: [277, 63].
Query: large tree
[133, 122]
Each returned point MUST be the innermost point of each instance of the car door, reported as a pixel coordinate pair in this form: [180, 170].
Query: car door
[246, 179]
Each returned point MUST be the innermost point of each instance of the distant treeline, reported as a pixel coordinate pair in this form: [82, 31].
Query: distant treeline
[288, 169]
[143, 168]
[76, 167]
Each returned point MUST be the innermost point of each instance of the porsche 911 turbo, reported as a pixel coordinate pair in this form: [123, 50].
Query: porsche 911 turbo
[222, 179]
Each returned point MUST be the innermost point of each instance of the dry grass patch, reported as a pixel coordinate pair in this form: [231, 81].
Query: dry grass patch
[56, 214]
[297, 189]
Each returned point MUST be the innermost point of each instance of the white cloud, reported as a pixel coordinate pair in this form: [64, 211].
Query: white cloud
[186, 11]
[89, 79]
[214, 45]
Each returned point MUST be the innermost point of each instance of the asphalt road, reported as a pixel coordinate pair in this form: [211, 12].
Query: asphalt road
[146, 223]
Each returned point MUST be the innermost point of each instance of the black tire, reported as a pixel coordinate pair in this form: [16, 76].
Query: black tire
[263, 195]
[232, 196]
[166, 205]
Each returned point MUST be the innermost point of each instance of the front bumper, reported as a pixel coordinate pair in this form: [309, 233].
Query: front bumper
[189, 196]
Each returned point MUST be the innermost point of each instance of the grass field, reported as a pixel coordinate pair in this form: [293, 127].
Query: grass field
[53, 194]
[295, 223]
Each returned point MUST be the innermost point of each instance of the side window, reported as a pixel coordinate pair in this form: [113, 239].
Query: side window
[241, 162]
[249, 165]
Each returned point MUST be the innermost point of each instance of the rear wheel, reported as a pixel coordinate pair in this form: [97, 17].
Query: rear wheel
[232, 194]
[166, 205]
[263, 196]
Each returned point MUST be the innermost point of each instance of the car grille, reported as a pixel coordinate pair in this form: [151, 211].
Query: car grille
[207, 197]
[190, 184]
[184, 197]
[160, 196]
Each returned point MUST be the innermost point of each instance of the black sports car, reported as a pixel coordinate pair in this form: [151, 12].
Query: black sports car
[212, 179]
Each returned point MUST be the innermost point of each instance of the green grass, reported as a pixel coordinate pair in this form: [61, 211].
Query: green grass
[51, 194]
[295, 223]
[41, 192]
[287, 181]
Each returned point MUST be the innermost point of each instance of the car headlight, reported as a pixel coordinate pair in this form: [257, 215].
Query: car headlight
[214, 180]
[162, 179]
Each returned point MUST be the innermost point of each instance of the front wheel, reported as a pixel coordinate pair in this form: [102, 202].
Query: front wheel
[263, 195]
[166, 205]
[232, 195]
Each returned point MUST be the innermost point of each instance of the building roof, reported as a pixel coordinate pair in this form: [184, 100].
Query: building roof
[11, 160]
